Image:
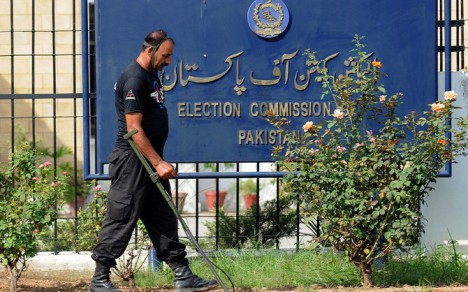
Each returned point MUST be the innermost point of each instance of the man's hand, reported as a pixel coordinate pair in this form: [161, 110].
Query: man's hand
[165, 170]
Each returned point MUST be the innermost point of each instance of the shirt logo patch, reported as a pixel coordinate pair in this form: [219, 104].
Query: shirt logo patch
[130, 95]
[157, 96]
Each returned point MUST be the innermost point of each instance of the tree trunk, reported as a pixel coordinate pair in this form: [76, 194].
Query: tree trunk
[366, 275]
[13, 278]
[132, 284]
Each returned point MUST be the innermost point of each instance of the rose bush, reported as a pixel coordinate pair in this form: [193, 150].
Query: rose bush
[365, 171]
[90, 220]
[28, 198]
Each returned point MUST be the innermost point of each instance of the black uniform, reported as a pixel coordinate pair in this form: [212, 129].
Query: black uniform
[132, 194]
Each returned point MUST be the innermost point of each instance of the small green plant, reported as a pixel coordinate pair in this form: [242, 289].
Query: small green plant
[29, 194]
[366, 170]
[273, 223]
[213, 167]
[248, 186]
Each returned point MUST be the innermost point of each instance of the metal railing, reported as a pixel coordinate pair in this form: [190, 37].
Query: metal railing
[457, 25]
[25, 104]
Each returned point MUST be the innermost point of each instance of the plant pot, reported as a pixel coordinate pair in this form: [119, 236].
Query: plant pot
[179, 200]
[211, 199]
[250, 199]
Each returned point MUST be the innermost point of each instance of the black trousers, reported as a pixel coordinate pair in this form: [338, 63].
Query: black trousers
[134, 196]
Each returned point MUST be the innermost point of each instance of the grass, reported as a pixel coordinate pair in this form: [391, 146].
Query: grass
[273, 269]
[441, 267]
[267, 269]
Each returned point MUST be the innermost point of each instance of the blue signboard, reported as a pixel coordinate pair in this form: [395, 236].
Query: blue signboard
[236, 59]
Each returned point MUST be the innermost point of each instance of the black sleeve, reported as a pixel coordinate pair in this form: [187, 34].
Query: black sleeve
[133, 95]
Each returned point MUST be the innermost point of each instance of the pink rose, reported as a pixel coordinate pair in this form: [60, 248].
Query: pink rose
[340, 149]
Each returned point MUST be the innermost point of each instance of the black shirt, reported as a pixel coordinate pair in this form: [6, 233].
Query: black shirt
[138, 90]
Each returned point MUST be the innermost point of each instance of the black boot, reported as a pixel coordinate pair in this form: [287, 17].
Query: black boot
[185, 281]
[101, 281]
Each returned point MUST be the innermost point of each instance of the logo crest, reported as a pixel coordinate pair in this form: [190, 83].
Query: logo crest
[157, 94]
[268, 18]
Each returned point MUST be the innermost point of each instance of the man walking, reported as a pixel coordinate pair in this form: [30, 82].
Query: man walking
[139, 101]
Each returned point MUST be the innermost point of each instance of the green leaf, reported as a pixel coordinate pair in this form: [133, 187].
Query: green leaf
[382, 89]
[375, 214]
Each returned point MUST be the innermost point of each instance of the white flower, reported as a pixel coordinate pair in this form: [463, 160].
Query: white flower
[338, 114]
[450, 95]
[307, 126]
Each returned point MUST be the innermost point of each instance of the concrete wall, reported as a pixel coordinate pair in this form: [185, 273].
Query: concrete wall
[446, 209]
[40, 57]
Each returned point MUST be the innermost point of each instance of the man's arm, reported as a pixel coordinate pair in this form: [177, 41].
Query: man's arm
[164, 169]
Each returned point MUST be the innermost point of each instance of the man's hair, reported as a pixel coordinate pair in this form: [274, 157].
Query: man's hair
[155, 38]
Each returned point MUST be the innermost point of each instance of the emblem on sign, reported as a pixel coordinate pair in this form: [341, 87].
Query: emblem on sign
[268, 18]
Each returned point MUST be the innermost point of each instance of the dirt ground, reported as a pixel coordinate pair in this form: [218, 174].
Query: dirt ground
[72, 281]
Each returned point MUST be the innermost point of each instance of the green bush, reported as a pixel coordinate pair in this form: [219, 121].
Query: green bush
[273, 223]
[366, 170]
[78, 234]
[29, 194]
